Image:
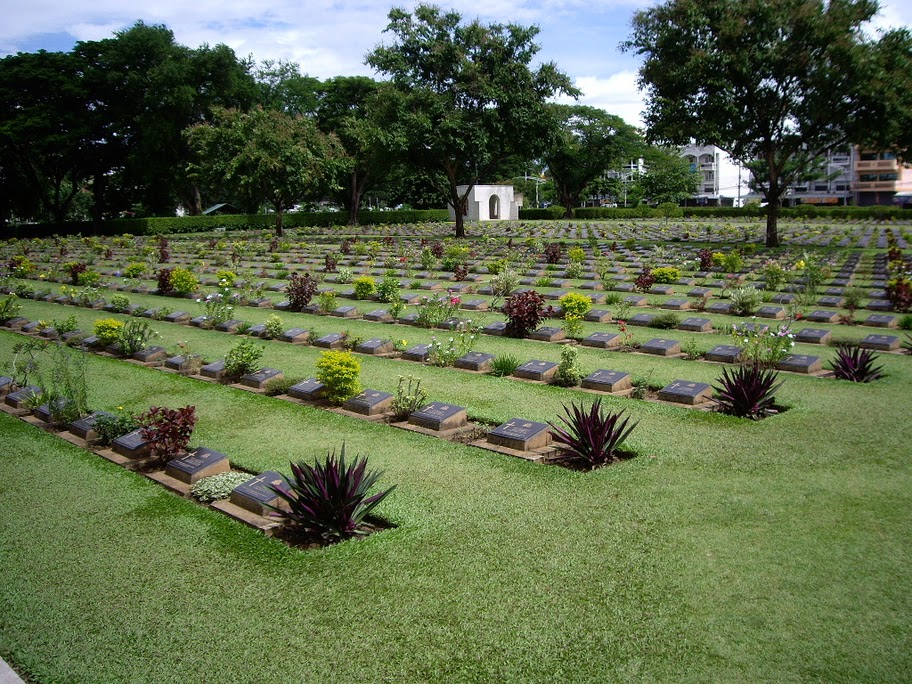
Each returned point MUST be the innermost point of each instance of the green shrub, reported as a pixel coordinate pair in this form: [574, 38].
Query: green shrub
[9, 308]
[134, 336]
[665, 321]
[389, 288]
[135, 269]
[120, 303]
[107, 330]
[364, 287]
[569, 371]
[273, 326]
[575, 305]
[88, 278]
[183, 281]
[745, 300]
[217, 487]
[109, 427]
[576, 255]
[666, 274]
[227, 277]
[281, 385]
[242, 359]
[340, 372]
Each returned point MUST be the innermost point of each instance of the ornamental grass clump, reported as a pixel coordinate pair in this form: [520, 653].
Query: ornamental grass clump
[747, 391]
[328, 500]
[855, 364]
[592, 434]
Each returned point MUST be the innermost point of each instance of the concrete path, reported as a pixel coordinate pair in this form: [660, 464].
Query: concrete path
[7, 676]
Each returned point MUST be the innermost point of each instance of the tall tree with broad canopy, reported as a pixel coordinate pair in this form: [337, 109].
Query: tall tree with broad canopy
[775, 83]
[265, 154]
[668, 178]
[586, 142]
[358, 110]
[470, 99]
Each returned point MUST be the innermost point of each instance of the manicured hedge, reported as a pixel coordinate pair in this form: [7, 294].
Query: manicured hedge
[748, 211]
[198, 224]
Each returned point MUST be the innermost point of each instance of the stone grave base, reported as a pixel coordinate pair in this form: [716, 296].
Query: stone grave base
[540, 455]
[265, 524]
[451, 434]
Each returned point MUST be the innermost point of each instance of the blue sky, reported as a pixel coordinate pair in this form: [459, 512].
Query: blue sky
[331, 37]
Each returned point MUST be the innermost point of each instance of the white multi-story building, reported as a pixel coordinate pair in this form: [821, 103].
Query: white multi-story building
[723, 182]
[837, 168]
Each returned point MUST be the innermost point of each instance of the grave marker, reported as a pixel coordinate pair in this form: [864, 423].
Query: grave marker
[602, 340]
[521, 435]
[608, 381]
[439, 417]
[536, 370]
[475, 361]
[369, 403]
[310, 389]
[686, 392]
[661, 347]
[193, 467]
[255, 494]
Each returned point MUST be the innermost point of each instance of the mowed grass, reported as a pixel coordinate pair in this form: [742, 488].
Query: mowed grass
[728, 551]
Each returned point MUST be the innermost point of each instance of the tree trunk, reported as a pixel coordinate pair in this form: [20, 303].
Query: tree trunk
[772, 219]
[280, 210]
[196, 202]
[356, 188]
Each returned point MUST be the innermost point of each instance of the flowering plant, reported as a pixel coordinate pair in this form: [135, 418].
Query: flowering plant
[432, 311]
[445, 352]
[761, 345]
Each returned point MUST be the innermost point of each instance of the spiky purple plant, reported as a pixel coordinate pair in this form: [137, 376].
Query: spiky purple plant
[329, 499]
[747, 392]
[855, 364]
[591, 434]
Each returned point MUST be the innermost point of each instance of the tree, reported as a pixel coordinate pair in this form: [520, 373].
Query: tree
[668, 178]
[282, 86]
[357, 109]
[46, 127]
[469, 99]
[775, 83]
[264, 154]
[586, 142]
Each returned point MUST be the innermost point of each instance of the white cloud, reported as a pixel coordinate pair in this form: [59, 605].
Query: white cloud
[616, 94]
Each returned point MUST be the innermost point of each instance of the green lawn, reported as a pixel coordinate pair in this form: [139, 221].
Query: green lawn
[728, 551]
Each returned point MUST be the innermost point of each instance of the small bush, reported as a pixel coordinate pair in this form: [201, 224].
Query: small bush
[167, 430]
[592, 434]
[300, 290]
[340, 372]
[346, 275]
[276, 386]
[364, 287]
[666, 274]
[389, 289]
[107, 330]
[745, 300]
[226, 277]
[273, 326]
[242, 359]
[665, 321]
[135, 335]
[576, 255]
[905, 323]
[120, 303]
[218, 486]
[88, 278]
[644, 280]
[329, 500]
[164, 281]
[9, 308]
[525, 312]
[552, 252]
[747, 391]
[575, 305]
[111, 426]
[855, 364]
[135, 269]
[569, 371]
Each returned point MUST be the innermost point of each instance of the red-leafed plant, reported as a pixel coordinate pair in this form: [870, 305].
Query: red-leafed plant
[645, 280]
[74, 269]
[524, 311]
[164, 281]
[328, 500]
[168, 430]
[592, 434]
[552, 252]
[855, 364]
[706, 259]
[747, 392]
[164, 253]
[300, 290]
